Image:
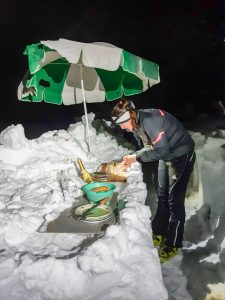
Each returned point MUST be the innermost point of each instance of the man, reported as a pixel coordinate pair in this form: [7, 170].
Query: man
[161, 137]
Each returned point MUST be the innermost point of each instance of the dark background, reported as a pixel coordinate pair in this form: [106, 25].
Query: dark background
[186, 39]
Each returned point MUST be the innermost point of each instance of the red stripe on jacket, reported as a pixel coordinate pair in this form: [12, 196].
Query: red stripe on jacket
[161, 112]
[158, 138]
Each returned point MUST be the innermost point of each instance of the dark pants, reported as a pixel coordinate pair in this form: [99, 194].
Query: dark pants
[173, 177]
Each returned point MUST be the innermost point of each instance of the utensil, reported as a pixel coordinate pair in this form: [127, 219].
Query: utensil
[88, 211]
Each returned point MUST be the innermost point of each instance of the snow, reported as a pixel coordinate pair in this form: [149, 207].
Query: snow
[39, 179]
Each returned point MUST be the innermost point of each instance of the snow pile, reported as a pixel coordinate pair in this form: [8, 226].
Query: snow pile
[13, 137]
[39, 179]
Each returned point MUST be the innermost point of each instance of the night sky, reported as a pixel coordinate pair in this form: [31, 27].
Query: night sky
[186, 39]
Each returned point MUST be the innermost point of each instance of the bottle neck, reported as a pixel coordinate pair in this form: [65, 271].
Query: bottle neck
[81, 166]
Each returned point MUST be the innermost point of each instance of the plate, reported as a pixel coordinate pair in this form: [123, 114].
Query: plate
[100, 213]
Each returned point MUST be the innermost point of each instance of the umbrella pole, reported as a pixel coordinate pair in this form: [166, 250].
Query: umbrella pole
[85, 107]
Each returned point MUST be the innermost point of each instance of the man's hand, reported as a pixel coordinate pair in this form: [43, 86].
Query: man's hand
[129, 160]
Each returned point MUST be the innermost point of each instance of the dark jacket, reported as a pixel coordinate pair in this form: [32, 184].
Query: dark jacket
[161, 136]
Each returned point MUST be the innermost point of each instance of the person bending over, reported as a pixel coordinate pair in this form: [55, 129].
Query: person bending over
[161, 137]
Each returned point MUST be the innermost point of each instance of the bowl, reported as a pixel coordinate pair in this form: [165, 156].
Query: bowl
[97, 191]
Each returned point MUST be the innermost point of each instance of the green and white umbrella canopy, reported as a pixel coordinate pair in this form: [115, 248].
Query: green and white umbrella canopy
[70, 72]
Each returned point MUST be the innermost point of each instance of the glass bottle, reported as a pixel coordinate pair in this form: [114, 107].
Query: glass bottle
[84, 173]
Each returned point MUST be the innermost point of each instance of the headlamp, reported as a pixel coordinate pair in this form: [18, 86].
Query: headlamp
[122, 118]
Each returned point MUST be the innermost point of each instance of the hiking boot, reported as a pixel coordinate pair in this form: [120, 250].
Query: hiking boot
[166, 253]
[158, 240]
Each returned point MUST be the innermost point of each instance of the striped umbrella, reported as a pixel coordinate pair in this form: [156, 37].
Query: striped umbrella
[68, 72]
